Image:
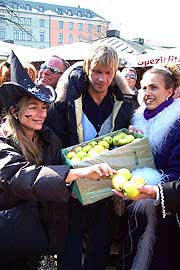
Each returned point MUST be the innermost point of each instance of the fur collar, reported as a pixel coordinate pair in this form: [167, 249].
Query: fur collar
[158, 127]
[61, 88]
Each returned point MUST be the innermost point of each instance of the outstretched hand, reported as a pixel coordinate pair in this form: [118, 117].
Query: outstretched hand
[97, 171]
[146, 192]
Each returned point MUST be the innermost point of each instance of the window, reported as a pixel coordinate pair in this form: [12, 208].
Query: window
[2, 17]
[29, 36]
[28, 7]
[41, 22]
[59, 11]
[2, 34]
[70, 25]
[22, 20]
[69, 12]
[98, 28]
[28, 21]
[60, 38]
[15, 6]
[42, 37]
[80, 26]
[89, 27]
[22, 36]
[61, 24]
[70, 38]
[41, 9]
[88, 15]
[16, 35]
[79, 13]
[80, 38]
[16, 19]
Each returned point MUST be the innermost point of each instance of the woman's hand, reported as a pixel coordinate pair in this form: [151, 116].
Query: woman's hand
[146, 192]
[97, 171]
[94, 172]
[132, 129]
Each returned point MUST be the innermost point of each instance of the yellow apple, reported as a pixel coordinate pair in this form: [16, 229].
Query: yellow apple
[118, 182]
[92, 143]
[138, 179]
[105, 144]
[130, 189]
[92, 153]
[98, 148]
[70, 155]
[125, 172]
[86, 148]
[81, 154]
[108, 139]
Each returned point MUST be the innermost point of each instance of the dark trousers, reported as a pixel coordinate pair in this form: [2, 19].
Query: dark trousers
[93, 220]
[161, 253]
[21, 264]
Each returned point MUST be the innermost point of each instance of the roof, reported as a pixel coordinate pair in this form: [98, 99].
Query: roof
[44, 8]
[124, 45]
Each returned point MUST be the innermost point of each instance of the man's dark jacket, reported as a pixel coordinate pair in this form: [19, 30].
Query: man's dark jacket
[64, 117]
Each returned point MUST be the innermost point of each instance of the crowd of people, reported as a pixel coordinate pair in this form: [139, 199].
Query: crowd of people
[60, 106]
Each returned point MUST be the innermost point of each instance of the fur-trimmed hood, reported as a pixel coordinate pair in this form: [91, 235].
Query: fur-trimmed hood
[63, 82]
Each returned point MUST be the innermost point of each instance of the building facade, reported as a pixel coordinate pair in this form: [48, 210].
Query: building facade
[42, 25]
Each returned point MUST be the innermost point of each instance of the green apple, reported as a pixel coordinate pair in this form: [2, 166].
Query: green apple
[118, 181]
[81, 154]
[86, 148]
[108, 139]
[92, 143]
[98, 148]
[130, 189]
[126, 140]
[118, 137]
[70, 155]
[105, 144]
[125, 172]
[77, 148]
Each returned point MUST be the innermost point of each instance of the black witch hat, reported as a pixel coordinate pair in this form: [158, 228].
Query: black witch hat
[21, 84]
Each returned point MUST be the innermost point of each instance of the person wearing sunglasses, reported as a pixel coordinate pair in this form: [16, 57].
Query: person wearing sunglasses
[130, 75]
[51, 70]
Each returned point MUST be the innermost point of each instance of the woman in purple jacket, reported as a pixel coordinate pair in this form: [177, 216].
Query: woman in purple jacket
[152, 234]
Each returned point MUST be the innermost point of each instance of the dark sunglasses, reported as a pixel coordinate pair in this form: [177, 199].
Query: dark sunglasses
[131, 76]
[51, 69]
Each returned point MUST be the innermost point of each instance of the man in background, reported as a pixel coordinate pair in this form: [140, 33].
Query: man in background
[51, 70]
[130, 75]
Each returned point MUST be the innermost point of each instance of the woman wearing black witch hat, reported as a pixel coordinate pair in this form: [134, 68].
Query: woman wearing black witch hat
[30, 170]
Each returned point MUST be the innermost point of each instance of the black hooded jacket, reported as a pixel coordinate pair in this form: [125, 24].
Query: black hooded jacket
[22, 181]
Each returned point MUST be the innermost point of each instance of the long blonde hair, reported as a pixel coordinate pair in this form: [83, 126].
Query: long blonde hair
[12, 128]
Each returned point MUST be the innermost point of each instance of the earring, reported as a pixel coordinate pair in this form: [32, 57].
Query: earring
[167, 98]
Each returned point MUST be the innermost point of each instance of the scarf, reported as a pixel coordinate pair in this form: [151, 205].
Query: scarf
[151, 113]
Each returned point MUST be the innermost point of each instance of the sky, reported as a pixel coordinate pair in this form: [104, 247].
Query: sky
[157, 21]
